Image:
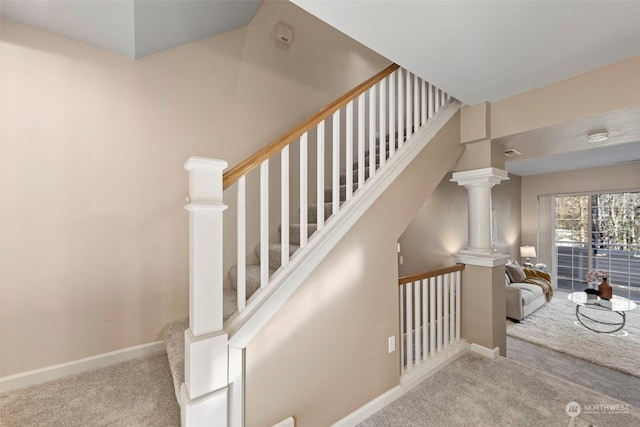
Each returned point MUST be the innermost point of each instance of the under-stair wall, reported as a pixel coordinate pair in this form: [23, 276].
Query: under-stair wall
[324, 354]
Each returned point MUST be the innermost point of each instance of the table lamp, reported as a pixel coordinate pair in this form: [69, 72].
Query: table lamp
[527, 252]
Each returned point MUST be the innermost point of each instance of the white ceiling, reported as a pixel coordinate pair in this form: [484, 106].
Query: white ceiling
[134, 28]
[486, 50]
[565, 147]
[476, 50]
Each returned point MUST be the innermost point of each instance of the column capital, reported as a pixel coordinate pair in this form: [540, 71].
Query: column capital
[481, 258]
[480, 177]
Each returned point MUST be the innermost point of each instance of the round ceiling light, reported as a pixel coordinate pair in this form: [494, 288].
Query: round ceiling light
[597, 137]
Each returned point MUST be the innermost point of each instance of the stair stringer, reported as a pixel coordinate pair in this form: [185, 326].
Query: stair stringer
[266, 302]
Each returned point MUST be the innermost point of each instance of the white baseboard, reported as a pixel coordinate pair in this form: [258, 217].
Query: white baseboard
[370, 408]
[486, 352]
[407, 382]
[421, 372]
[38, 376]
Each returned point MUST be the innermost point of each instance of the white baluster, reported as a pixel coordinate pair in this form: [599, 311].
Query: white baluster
[445, 316]
[241, 245]
[403, 329]
[392, 114]
[320, 176]
[416, 316]
[416, 103]
[284, 206]
[432, 315]
[409, 319]
[361, 166]
[303, 189]
[401, 107]
[425, 324]
[457, 306]
[336, 163]
[349, 150]
[430, 93]
[382, 135]
[372, 132]
[264, 223]
[409, 107]
[437, 100]
[439, 313]
[423, 98]
[452, 307]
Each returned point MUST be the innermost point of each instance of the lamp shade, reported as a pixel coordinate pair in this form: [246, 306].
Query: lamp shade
[528, 251]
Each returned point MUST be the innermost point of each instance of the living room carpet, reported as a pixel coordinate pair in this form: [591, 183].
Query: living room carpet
[476, 391]
[554, 326]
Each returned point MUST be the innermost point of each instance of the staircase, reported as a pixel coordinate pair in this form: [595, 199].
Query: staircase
[173, 333]
[206, 353]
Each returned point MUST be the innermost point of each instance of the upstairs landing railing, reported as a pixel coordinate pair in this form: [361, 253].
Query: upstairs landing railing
[429, 314]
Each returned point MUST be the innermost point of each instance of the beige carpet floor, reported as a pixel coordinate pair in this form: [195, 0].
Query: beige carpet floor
[476, 391]
[473, 391]
[554, 326]
[137, 393]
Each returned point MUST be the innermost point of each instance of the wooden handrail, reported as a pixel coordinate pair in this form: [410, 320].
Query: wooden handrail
[431, 273]
[231, 176]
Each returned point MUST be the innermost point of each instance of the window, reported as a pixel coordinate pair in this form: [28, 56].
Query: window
[598, 231]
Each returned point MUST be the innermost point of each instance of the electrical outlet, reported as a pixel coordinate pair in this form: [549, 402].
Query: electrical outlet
[401, 260]
[392, 344]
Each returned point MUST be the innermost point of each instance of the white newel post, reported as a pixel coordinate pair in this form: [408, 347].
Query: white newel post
[204, 395]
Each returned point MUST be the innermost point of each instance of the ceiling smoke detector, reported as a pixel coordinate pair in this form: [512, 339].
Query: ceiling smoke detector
[597, 137]
[512, 153]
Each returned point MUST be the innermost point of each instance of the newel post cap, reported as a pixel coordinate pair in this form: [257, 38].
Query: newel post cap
[205, 162]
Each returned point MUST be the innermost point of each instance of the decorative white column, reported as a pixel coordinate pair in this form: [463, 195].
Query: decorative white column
[478, 183]
[483, 298]
[204, 394]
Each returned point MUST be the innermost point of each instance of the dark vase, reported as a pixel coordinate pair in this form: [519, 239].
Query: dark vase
[605, 291]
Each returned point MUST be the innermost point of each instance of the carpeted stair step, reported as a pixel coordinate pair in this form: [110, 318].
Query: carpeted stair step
[366, 164]
[173, 335]
[312, 212]
[343, 177]
[294, 232]
[328, 193]
[252, 281]
[275, 254]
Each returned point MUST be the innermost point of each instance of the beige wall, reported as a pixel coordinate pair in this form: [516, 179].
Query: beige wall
[482, 301]
[325, 353]
[440, 228]
[609, 178]
[610, 88]
[94, 234]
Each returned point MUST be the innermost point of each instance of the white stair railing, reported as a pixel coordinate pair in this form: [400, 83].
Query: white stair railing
[359, 133]
[429, 315]
[372, 118]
